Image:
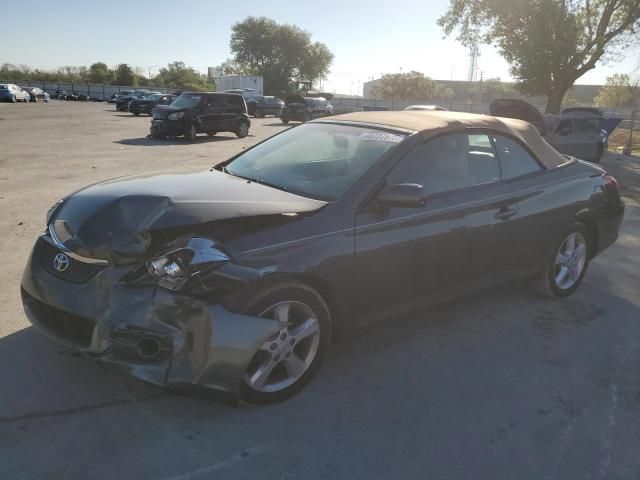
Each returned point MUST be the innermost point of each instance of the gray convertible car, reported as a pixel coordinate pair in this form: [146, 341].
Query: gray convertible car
[234, 281]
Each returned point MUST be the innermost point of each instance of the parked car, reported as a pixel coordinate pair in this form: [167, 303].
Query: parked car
[262, 106]
[304, 109]
[148, 103]
[36, 94]
[431, 108]
[61, 95]
[123, 93]
[10, 92]
[570, 133]
[122, 103]
[233, 279]
[197, 112]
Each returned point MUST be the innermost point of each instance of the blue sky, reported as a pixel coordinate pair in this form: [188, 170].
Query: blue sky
[367, 37]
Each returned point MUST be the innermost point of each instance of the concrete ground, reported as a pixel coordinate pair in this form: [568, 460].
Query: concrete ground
[506, 385]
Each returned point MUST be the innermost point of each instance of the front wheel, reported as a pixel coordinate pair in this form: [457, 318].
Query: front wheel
[13, 99]
[288, 360]
[191, 133]
[567, 266]
[243, 130]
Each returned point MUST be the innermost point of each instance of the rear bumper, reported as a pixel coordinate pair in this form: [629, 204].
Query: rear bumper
[161, 337]
[608, 224]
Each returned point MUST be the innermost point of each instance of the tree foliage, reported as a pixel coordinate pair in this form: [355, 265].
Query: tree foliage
[124, 75]
[405, 86]
[282, 54]
[485, 91]
[619, 91]
[178, 75]
[549, 44]
[99, 72]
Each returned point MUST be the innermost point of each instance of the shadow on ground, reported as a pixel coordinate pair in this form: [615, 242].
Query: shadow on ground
[154, 142]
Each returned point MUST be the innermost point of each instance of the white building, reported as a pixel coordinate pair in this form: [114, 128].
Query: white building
[228, 82]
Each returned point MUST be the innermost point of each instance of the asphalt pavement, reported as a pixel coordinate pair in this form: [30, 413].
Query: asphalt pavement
[502, 385]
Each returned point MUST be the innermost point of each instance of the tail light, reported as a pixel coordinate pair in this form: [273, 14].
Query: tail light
[612, 182]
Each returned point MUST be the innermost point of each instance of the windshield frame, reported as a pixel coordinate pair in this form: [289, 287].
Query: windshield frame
[405, 132]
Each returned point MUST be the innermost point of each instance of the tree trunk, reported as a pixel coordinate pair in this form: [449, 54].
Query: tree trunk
[554, 99]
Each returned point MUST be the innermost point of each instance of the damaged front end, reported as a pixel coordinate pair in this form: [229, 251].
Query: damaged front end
[156, 318]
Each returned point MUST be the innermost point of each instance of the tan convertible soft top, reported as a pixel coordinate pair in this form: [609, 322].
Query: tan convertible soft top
[431, 123]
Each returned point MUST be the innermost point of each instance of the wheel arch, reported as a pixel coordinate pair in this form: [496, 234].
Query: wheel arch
[587, 218]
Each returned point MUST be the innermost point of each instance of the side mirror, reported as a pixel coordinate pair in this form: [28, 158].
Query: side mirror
[406, 195]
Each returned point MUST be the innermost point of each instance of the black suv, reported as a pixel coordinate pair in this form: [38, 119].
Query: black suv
[147, 104]
[304, 109]
[262, 106]
[199, 112]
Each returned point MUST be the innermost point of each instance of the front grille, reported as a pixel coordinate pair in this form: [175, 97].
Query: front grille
[77, 271]
[73, 328]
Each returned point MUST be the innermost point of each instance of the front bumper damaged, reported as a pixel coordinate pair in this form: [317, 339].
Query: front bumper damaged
[165, 338]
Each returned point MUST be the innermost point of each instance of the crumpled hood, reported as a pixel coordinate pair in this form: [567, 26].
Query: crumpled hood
[118, 216]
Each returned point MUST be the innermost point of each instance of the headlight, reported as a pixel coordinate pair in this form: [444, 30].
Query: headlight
[52, 210]
[175, 116]
[185, 261]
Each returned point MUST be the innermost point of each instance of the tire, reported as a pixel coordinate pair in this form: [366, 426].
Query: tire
[284, 118]
[275, 356]
[212, 134]
[190, 133]
[13, 99]
[243, 129]
[599, 154]
[549, 284]
[136, 113]
[307, 117]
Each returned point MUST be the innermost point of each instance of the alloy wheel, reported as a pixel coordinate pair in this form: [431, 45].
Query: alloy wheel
[287, 355]
[571, 260]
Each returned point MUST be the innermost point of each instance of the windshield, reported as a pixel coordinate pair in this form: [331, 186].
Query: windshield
[155, 98]
[317, 160]
[186, 100]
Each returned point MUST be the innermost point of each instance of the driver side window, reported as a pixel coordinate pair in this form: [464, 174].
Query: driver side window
[449, 162]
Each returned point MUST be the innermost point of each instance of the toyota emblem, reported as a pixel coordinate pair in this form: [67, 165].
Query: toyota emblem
[61, 262]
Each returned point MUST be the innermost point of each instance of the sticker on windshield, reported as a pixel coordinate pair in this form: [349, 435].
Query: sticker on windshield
[381, 137]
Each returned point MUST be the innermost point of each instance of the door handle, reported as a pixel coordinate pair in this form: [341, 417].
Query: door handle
[505, 213]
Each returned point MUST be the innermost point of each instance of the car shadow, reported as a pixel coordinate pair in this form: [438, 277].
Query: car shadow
[490, 360]
[280, 124]
[154, 142]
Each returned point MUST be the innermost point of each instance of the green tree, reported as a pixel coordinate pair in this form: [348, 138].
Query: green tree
[99, 72]
[617, 92]
[178, 75]
[231, 67]
[548, 43]
[124, 75]
[281, 54]
[405, 86]
[485, 91]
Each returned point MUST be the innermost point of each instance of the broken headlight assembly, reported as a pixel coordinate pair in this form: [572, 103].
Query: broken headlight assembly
[184, 261]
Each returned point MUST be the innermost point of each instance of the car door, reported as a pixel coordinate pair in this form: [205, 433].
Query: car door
[412, 256]
[563, 138]
[534, 225]
[587, 137]
[210, 113]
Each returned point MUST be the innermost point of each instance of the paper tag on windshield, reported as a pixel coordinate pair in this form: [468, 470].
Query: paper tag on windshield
[381, 137]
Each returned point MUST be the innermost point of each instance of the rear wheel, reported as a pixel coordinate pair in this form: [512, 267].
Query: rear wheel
[211, 134]
[191, 133]
[567, 266]
[13, 99]
[289, 359]
[307, 117]
[136, 112]
[243, 129]
[599, 153]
